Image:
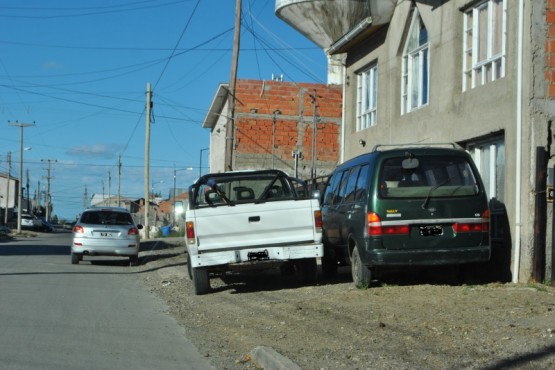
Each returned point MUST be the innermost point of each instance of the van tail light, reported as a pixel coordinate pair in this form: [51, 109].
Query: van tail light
[318, 220]
[78, 229]
[474, 227]
[375, 227]
[190, 232]
[133, 231]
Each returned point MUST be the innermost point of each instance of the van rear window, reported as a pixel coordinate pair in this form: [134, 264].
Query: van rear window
[427, 176]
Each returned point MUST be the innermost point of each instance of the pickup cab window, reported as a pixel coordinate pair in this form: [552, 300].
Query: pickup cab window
[244, 187]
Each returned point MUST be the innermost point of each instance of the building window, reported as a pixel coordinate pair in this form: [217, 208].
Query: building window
[416, 59]
[484, 43]
[367, 97]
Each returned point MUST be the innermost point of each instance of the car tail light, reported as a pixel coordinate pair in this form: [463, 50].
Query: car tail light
[133, 231]
[375, 227]
[318, 220]
[474, 227]
[78, 229]
[190, 230]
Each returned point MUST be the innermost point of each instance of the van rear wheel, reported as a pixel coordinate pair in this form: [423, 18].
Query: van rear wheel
[362, 275]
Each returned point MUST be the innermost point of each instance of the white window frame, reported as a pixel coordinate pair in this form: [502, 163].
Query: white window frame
[415, 78]
[367, 98]
[477, 70]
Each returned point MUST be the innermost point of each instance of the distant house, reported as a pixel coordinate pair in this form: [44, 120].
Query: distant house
[290, 126]
[8, 196]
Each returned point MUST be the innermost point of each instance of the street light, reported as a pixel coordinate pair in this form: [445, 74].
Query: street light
[200, 162]
[20, 188]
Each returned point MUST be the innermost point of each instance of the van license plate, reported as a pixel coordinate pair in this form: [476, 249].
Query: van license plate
[431, 230]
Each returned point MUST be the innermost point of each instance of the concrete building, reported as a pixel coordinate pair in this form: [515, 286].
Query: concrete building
[274, 127]
[8, 197]
[480, 73]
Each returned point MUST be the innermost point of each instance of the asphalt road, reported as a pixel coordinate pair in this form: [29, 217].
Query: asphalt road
[55, 315]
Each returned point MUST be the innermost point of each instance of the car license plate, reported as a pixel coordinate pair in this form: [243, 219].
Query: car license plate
[431, 230]
[108, 235]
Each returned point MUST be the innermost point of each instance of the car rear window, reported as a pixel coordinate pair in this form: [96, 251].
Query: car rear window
[106, 218]
[446, 176]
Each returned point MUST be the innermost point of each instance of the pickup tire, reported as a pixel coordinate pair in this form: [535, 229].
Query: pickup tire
[330, 263]
[308, 271]
[199, 276]
[362, 275]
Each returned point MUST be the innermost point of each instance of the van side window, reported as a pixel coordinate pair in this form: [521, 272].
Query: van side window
[331, 188]
[351, 184]
[362, 184]
[342, 187]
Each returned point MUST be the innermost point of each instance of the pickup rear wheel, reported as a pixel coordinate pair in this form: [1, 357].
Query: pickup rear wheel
[75, 258]
[308, 270]
[329, 262]
[201, 281]
[362, 276]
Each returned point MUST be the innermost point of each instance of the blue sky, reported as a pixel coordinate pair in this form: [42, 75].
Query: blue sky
[79, 71]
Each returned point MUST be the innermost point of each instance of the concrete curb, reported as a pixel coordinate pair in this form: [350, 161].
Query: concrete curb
[269, 359]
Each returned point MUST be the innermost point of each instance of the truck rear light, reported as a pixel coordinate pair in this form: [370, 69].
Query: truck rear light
[318, 220]
[78, 229]
[375, 227]
[133, 231]
[190, 232]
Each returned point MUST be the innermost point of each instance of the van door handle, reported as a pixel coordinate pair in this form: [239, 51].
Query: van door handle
[254, 219]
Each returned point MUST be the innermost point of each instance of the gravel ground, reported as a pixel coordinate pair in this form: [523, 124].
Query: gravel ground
[417, 321]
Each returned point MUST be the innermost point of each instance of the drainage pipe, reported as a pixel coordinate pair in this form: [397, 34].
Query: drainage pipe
[518, 159]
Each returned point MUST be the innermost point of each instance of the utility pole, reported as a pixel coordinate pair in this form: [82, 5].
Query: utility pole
[314, 132]
[8, 189]
[230, 127]
[147, 157]
[85, 198]
[119, 179]
[27, 171]
[109, 188]
[48, 195]
[19, 187]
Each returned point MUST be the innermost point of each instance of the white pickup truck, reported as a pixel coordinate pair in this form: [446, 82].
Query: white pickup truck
[251, 220]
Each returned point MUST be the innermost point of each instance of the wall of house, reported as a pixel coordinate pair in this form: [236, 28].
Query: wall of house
[265, 138]
[456, 116]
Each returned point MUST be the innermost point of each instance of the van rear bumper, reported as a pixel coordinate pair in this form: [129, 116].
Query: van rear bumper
[426, 257]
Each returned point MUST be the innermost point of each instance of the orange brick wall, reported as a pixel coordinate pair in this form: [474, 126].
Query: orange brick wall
[550, 50]
[255, 105]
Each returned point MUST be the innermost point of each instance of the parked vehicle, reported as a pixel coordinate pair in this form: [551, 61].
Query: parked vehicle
[409, 206]
[251, 220]
[28, 222]
[46, 226]
[106, 231]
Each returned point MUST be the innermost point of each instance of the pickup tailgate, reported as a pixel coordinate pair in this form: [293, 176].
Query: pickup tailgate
[267, 224]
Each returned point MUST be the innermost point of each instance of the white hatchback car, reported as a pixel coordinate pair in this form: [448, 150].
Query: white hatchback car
[106, 231]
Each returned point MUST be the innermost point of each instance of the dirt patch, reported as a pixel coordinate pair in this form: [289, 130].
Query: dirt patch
[424, 321]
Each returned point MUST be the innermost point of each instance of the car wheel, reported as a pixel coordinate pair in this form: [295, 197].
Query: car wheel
[134, 260]
[75, 258]
[308, 270]
[201, 281]
[362, 275]
[329, 262]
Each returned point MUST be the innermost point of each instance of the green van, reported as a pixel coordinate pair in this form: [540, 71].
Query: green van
[404, 206]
